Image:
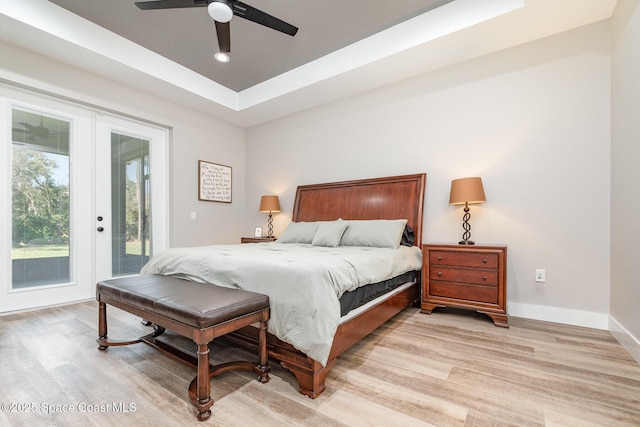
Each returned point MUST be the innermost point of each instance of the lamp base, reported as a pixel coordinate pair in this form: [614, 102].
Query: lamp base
[270, 226]
[466, 242]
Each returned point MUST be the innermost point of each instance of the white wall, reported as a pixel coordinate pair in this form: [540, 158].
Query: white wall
[195, 136]
[625, 175]
[533, 121]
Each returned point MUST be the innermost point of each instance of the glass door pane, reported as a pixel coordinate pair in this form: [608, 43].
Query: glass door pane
[40, 199]
[130, 204]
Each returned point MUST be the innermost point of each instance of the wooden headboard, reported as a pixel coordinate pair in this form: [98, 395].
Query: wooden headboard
[395, 197]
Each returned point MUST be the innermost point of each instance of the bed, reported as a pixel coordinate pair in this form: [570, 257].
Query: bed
[329, 207]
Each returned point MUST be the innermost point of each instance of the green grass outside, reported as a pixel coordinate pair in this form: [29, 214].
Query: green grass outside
[39, 251]
[134, 247]
[50, 251]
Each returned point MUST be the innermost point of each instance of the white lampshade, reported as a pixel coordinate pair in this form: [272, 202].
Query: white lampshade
[220, 11]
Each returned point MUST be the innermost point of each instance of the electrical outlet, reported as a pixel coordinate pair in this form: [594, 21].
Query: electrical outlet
[193, 215]
[541, 276]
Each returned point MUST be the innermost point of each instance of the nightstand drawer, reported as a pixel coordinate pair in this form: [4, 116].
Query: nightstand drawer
[464, 259]
[464, 275]
[488, 294]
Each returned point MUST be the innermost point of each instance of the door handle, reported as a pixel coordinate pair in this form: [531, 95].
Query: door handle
[100, 229]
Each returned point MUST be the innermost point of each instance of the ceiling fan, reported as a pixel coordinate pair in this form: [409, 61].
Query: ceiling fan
[36, 133]
[222, 11]
[40, 137]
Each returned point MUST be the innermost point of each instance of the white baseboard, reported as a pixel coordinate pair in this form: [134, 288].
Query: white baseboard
[44, 307]
[567, 316]
[587, 319]
[624, 337]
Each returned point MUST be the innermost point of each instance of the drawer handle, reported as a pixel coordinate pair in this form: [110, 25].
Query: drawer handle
[484, 260]
[484, 277]
[439, 273]
[439, 258]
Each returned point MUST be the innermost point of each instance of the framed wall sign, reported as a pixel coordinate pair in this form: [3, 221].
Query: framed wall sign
[214, 182]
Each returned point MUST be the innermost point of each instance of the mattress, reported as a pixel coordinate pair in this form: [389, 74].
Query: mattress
[353, 299]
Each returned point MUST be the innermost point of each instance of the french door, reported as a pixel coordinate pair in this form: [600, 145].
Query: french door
[83, 199]
[131, 198]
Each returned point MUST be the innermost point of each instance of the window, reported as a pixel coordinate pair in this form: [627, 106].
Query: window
[40, 199]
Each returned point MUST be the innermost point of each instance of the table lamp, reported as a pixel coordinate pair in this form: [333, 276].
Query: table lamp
[270, 204]
[466, 191]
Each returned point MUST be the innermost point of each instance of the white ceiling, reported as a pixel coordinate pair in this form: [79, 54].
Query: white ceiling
[342, 47]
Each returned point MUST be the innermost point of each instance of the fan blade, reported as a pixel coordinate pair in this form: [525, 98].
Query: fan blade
[170, 4]
[224, 36]
[259, 17]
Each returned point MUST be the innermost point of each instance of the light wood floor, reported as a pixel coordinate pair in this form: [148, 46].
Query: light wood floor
[446, 369]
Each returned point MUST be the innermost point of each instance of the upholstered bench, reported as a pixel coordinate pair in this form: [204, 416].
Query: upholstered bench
[198, 311]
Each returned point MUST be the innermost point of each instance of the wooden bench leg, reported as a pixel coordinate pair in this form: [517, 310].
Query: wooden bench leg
[103, 341]
[263, 368]
[200, 387]
[102, 325]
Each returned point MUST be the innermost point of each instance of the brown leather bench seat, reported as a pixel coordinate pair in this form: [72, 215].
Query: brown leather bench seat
[195, 310]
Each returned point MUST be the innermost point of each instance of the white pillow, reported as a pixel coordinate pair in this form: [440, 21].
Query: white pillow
[329, 234]
[379, 233]
[299, 232]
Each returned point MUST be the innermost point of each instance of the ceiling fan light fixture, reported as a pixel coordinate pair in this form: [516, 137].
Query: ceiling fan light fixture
[220, 10]
[222, 57]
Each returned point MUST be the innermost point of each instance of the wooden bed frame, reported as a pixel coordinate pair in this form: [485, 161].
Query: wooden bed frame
[378, 198]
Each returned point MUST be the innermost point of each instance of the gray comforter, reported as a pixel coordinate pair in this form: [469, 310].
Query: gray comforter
[303, 282]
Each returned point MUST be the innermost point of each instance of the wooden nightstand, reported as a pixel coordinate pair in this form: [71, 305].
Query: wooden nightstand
[257, 239]
[472, 277]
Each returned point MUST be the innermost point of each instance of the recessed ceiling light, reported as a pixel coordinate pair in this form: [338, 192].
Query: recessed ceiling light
[222, 57]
